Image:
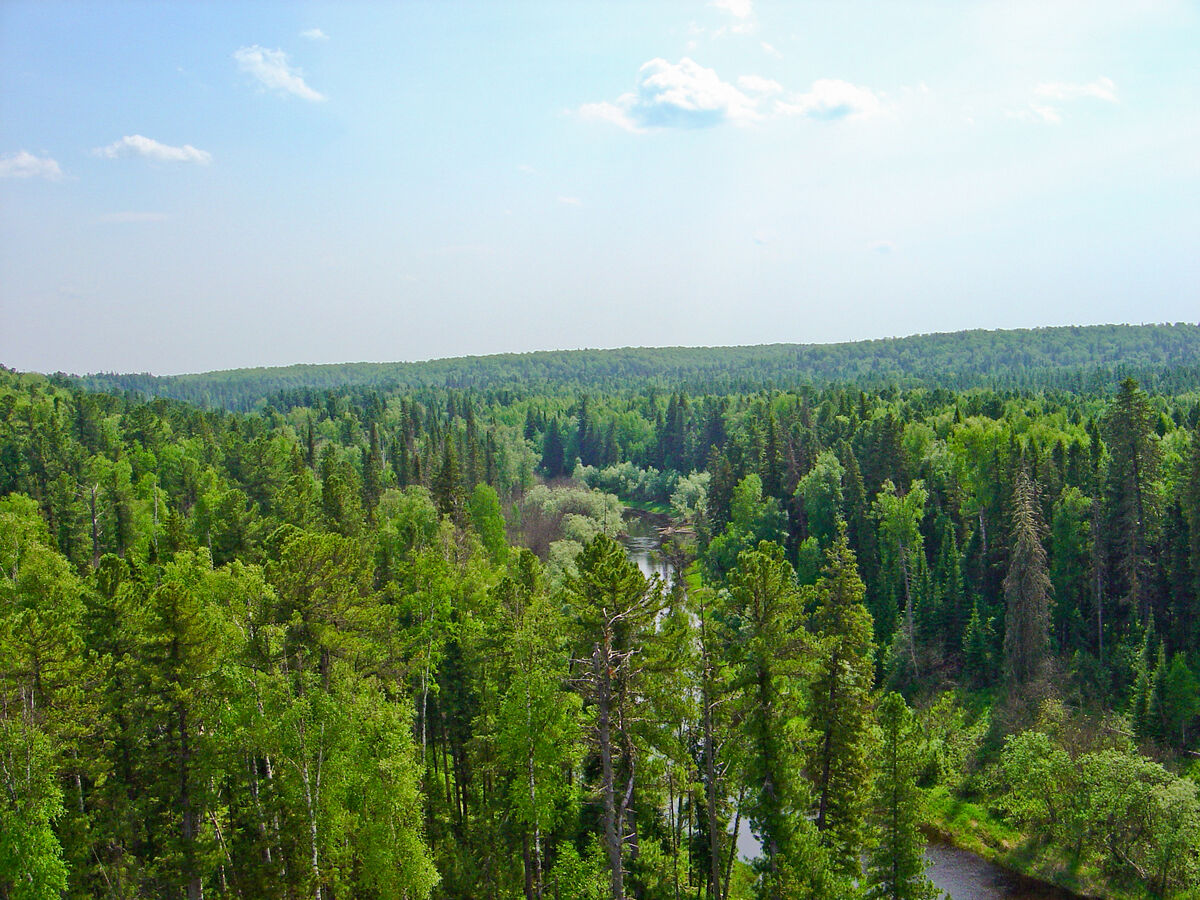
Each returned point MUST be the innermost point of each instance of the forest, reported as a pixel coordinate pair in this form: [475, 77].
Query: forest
[375, 635]
[1094, 357]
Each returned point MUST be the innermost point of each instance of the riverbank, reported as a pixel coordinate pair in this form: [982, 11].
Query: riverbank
[971, 827]
[645, 506]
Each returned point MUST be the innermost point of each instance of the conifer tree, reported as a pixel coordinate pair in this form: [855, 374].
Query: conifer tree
[1132, 496]
[896, 867]
[769, 658]
[615, 613]
[552, 464]
[372, 473]
[837, 760]
[1026, 589]
[447, 484]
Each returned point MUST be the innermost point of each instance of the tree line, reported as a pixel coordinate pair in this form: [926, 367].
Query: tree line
[1081, 359]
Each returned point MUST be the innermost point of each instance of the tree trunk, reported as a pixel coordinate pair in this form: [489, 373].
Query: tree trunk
[710, 775]
[612, 838]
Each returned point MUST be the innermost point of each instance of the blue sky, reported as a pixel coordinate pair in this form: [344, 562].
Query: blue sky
[192, 186]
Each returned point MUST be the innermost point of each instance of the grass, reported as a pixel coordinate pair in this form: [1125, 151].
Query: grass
[649, 506]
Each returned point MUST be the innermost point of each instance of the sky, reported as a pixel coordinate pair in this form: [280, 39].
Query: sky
[195, 186]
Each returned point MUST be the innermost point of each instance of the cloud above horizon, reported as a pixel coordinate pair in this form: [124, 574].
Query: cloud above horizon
[830, 99]
[1060, 92]
[688, 95]
[739, 9]
[272, 70]
[1100, 89]
[24, 164]
[314, 34]
[139, 145]
[675, 95]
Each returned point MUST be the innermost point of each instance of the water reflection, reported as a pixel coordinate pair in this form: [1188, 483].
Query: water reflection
[643, 544]
[965, 876]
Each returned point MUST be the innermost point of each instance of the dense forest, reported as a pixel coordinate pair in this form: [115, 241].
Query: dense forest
[1093, 358]
[371, 632]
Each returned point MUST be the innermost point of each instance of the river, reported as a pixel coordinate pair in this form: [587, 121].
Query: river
[642, 543]
[965, 876]
[961, 874]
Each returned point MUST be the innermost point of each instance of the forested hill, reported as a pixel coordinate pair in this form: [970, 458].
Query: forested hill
[1090, 358]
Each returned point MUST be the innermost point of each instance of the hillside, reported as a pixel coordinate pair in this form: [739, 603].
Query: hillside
[1090, 358]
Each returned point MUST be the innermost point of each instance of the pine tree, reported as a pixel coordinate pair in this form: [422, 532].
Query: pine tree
[977, 648]
[768, 658]
[1027, 589]
[552, 451]
[447, 484]
[372, 473]
[840, 709]
[488, 521]
[1131, 496]
[771, 464]
[615, 613]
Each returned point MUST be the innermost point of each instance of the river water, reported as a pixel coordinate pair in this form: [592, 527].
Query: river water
[640, 537]
[965, 876]
[961, 874]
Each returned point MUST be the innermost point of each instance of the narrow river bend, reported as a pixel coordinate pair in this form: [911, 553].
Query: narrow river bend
[961, 874]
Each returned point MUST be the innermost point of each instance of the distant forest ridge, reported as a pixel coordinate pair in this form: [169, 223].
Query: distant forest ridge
[1072, 358]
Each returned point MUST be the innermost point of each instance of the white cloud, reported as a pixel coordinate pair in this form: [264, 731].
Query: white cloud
[670, 95]
[126, 218]
[24, 164]
[137, 145]
[611, 112]
[272, 69]
[1047, 114]
[770, 50]
[687, 95]
[314, 34]
[1063, 92]
[1100, 89]
[756, 84]
[739, 9]
[830, 99]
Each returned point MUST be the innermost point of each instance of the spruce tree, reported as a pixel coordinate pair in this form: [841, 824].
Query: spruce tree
[447, 484]
[896, 867]
[769, 660]
[840, 709]
[1026, 589]
[1132, 496]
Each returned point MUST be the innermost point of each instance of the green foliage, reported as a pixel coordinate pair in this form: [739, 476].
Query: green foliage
[292, 653]
[31, 863]
[959, 360]
[896, 866]
[821, 492]
[753, 519]
[488, 521]
[840, 689]
[1111, 804]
